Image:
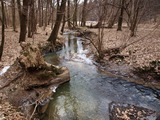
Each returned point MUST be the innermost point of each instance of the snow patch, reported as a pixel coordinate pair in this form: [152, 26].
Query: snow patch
[4, 70]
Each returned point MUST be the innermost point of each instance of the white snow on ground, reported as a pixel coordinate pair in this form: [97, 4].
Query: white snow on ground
[4, 70]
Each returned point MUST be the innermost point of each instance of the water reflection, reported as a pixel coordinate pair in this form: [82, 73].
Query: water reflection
[70, 48]
[88, 94]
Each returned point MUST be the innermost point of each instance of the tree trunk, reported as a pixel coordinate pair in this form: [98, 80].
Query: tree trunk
[3, 27]
[46, 15]
[83, 21]
[68, 15]
[40, 13]
[120, 19]
[63, 25]
[114, 14]
[102, 12]
[5, 15]
[51, 11]
[31, 20]
[134, 17]
[112, 19]
[13, 15]
[60, 13]
[99, 24]
[75, 13]
[23, 20]
[19, 9]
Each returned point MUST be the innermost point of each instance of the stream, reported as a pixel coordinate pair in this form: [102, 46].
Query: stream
[89, 92]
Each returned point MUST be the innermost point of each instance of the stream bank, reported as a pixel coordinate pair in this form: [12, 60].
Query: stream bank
[29, 83]
[91, 94]
[120, 63]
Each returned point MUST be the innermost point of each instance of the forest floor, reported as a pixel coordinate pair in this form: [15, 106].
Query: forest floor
[12, 46]
[143, 49]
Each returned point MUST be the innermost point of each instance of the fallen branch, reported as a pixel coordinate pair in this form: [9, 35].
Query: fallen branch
[37, 102]
[90, 39]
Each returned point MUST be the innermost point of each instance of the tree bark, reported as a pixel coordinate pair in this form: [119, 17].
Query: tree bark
[60, 13]
[51, 12]
[13, 15]
[19, 9]
[23, 19]
[46, 15]
[120, 19]
[134, 17]
[31, 20]
[63, 25]
[75, 13]
[68, 15]
[3, 27]
[5, 15]
[42, 2]
[83, 21]
[40, 13]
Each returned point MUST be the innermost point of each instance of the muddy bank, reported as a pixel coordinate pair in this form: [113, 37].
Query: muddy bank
[30, 82]
[118, 63]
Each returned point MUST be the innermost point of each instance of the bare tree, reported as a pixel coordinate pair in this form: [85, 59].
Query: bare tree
[40, 12]
[135, 7]
[51, 10]
[68, 14]
[13, 15]
[113, 14]
[120, 19]
[31, 19]
[75, 13]
[23, 12]
[84, 10]
[3, 28]
[63, 24]
[5, 14]
[102, 12]
[60, 13]
[135, 10]
[46, 14]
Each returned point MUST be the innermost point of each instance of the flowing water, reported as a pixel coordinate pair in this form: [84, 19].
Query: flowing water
[89, 92]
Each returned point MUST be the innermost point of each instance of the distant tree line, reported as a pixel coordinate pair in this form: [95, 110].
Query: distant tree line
[30, 14]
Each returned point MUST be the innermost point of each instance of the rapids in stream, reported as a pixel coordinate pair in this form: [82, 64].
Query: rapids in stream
[89, 92]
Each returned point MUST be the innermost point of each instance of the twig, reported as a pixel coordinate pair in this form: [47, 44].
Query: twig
[33, 111]
[91, 40]
[37, 102]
